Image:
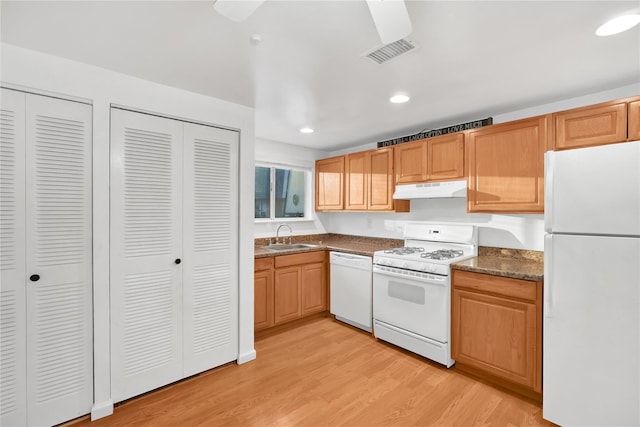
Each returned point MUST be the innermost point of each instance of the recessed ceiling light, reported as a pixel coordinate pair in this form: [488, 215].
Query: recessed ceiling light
[306, 130]
[618, 25]
[399, 99]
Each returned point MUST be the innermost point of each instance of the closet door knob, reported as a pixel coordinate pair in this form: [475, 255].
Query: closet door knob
[34, 277]
[178, 261]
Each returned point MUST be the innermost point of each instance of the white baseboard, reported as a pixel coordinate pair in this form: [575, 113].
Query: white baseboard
[101, 410]
[246, 357]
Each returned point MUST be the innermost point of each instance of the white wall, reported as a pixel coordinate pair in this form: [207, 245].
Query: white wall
[30, 69]
[505, 231]
[508, 231]
[278, 153]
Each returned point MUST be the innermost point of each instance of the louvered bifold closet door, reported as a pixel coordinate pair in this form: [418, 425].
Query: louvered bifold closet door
[210, 247]
[146, 237]
[13, 334]
[59, 251]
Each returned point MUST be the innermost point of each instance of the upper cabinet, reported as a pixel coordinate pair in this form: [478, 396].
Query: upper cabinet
[506, 166]
[330, 184]
[599, 124]
[369, 181]
[356, 174]
[358, 181]
[445, 157]
[411, 162]
[434, 159]
[633, 118]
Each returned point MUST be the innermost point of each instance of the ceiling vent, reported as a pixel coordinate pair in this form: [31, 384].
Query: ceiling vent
[389, 51]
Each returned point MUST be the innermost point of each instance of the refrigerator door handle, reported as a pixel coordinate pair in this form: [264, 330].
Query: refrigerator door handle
[548, 275]
[548, 190]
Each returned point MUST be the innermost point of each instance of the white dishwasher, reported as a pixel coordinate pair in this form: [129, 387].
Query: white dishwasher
[351, 292]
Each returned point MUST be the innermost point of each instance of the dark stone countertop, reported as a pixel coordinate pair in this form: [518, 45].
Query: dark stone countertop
[358, 245]
[514, 263]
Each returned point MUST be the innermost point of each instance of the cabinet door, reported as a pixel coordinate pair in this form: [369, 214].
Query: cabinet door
[330, 184]
[59, 250]
[633, 117]
[594, 125]
[263, 299]
[210, 230]
[314, 288]
[146, 230]
[356, 180]
[411, 162]
[287, 294]
[506, 167]
[13, 340]
[380, 185]
[497, 335]
[445, 157]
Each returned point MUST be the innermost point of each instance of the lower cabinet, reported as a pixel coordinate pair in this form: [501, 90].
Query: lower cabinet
[287, 294]
[289, 287]
[314, 288]
[263, 294]
[497, 330]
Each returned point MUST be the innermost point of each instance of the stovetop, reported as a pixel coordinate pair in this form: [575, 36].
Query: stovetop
[431, 248]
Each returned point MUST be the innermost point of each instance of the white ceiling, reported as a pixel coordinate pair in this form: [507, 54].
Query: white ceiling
[475, 58]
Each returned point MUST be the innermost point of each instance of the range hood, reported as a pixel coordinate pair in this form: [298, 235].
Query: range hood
[431, 190]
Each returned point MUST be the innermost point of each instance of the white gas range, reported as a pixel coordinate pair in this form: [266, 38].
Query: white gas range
[412, 288]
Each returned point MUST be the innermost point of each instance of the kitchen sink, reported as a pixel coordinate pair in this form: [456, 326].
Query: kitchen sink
[286, 247]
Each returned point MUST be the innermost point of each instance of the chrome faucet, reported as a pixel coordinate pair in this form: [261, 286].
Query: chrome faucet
[278, 232]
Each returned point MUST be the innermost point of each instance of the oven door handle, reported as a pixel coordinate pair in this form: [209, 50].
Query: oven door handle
[421, 277]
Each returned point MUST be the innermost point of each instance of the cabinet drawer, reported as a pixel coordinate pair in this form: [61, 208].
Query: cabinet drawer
[296, 259]
[504, 286]
[262, 264]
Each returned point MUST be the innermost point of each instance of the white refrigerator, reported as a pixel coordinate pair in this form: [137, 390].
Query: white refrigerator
[591, 329]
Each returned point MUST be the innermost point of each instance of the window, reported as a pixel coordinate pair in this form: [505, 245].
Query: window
[279, 193]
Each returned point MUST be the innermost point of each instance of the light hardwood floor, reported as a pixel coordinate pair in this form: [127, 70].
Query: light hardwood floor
[324, 373]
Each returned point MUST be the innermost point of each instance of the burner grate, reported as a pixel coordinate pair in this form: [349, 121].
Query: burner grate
[407, 250]
[442, 254]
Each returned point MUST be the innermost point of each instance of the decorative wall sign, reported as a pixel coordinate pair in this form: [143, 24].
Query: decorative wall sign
[437, 132]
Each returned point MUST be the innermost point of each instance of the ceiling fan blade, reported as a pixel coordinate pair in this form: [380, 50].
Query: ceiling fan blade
[236, 10]
[391, 19]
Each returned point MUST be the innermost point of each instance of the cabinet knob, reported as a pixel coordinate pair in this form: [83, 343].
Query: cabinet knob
[178, 261]
[34, 277]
